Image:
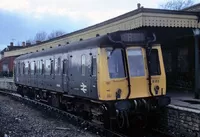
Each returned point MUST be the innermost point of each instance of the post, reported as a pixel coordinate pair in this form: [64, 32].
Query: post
[196, 37]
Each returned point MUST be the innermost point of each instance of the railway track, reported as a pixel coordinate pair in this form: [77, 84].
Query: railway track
[73, 119]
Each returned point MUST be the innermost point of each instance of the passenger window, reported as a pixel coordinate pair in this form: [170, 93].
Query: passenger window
[136, 62]
[42, 67]
[115, 63]
[35, 67]
[23, 67]
[38, 67]
[94, 66]
[155, 63]
[18, 66]
[51, 67]
[26, 68]
[48, 67]
[83, 65]
[58, 66]
[32, 68]
[64, 66]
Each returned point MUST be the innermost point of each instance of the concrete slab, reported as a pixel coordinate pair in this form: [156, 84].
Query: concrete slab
[184, 99]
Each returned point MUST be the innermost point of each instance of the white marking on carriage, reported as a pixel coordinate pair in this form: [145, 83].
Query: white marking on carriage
[83, 87]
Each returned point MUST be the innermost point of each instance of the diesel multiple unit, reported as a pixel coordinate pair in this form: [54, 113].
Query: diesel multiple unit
[106, 79]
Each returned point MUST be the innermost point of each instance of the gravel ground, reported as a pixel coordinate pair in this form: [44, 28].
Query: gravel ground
[20, 120]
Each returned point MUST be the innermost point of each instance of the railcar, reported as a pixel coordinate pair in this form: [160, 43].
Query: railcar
[107, 79]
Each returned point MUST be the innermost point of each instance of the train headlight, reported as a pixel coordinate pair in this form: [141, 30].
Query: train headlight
[118, 93]
[156, 89]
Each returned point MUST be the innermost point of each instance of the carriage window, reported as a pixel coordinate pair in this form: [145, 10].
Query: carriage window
[51, 67]
[136, 62]
[83, 63]
[58, 66]
[23, 68]
[26, 68]
[18, 66]
[94, 66]
[42, 67]
[155, 64]
[38, 67]
[115, 63]
[47, 67]
[64, 67]
[32, 68]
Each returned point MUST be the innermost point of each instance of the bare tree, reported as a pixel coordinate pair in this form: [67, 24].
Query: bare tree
[41, 36]
[177, 4]
[55, 34]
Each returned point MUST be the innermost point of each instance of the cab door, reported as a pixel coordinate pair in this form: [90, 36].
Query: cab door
[138, 72]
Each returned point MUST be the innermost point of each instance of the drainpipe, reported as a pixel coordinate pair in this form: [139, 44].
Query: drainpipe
[196, 33]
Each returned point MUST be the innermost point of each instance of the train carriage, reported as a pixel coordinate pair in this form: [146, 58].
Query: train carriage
[112, 76]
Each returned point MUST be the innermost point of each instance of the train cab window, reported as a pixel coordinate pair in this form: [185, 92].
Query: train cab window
[136, 62]
[155, 63]
[94, 66]
[83, 64]
[115, 63]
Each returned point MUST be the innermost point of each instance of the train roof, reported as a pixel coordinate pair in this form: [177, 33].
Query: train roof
[104, 40]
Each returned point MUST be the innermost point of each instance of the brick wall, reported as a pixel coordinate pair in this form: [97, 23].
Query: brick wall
[179, 122]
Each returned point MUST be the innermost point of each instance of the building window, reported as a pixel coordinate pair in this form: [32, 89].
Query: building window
[83, 64]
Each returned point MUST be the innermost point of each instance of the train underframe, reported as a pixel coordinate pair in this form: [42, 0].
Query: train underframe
[115, 115]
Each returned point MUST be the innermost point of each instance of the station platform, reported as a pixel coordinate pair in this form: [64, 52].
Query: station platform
[184, 99]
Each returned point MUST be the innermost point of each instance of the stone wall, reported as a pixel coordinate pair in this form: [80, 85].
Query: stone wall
[179, 121]
[8, 84]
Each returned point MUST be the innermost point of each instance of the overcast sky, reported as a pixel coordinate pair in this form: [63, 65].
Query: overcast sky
[22, 19]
